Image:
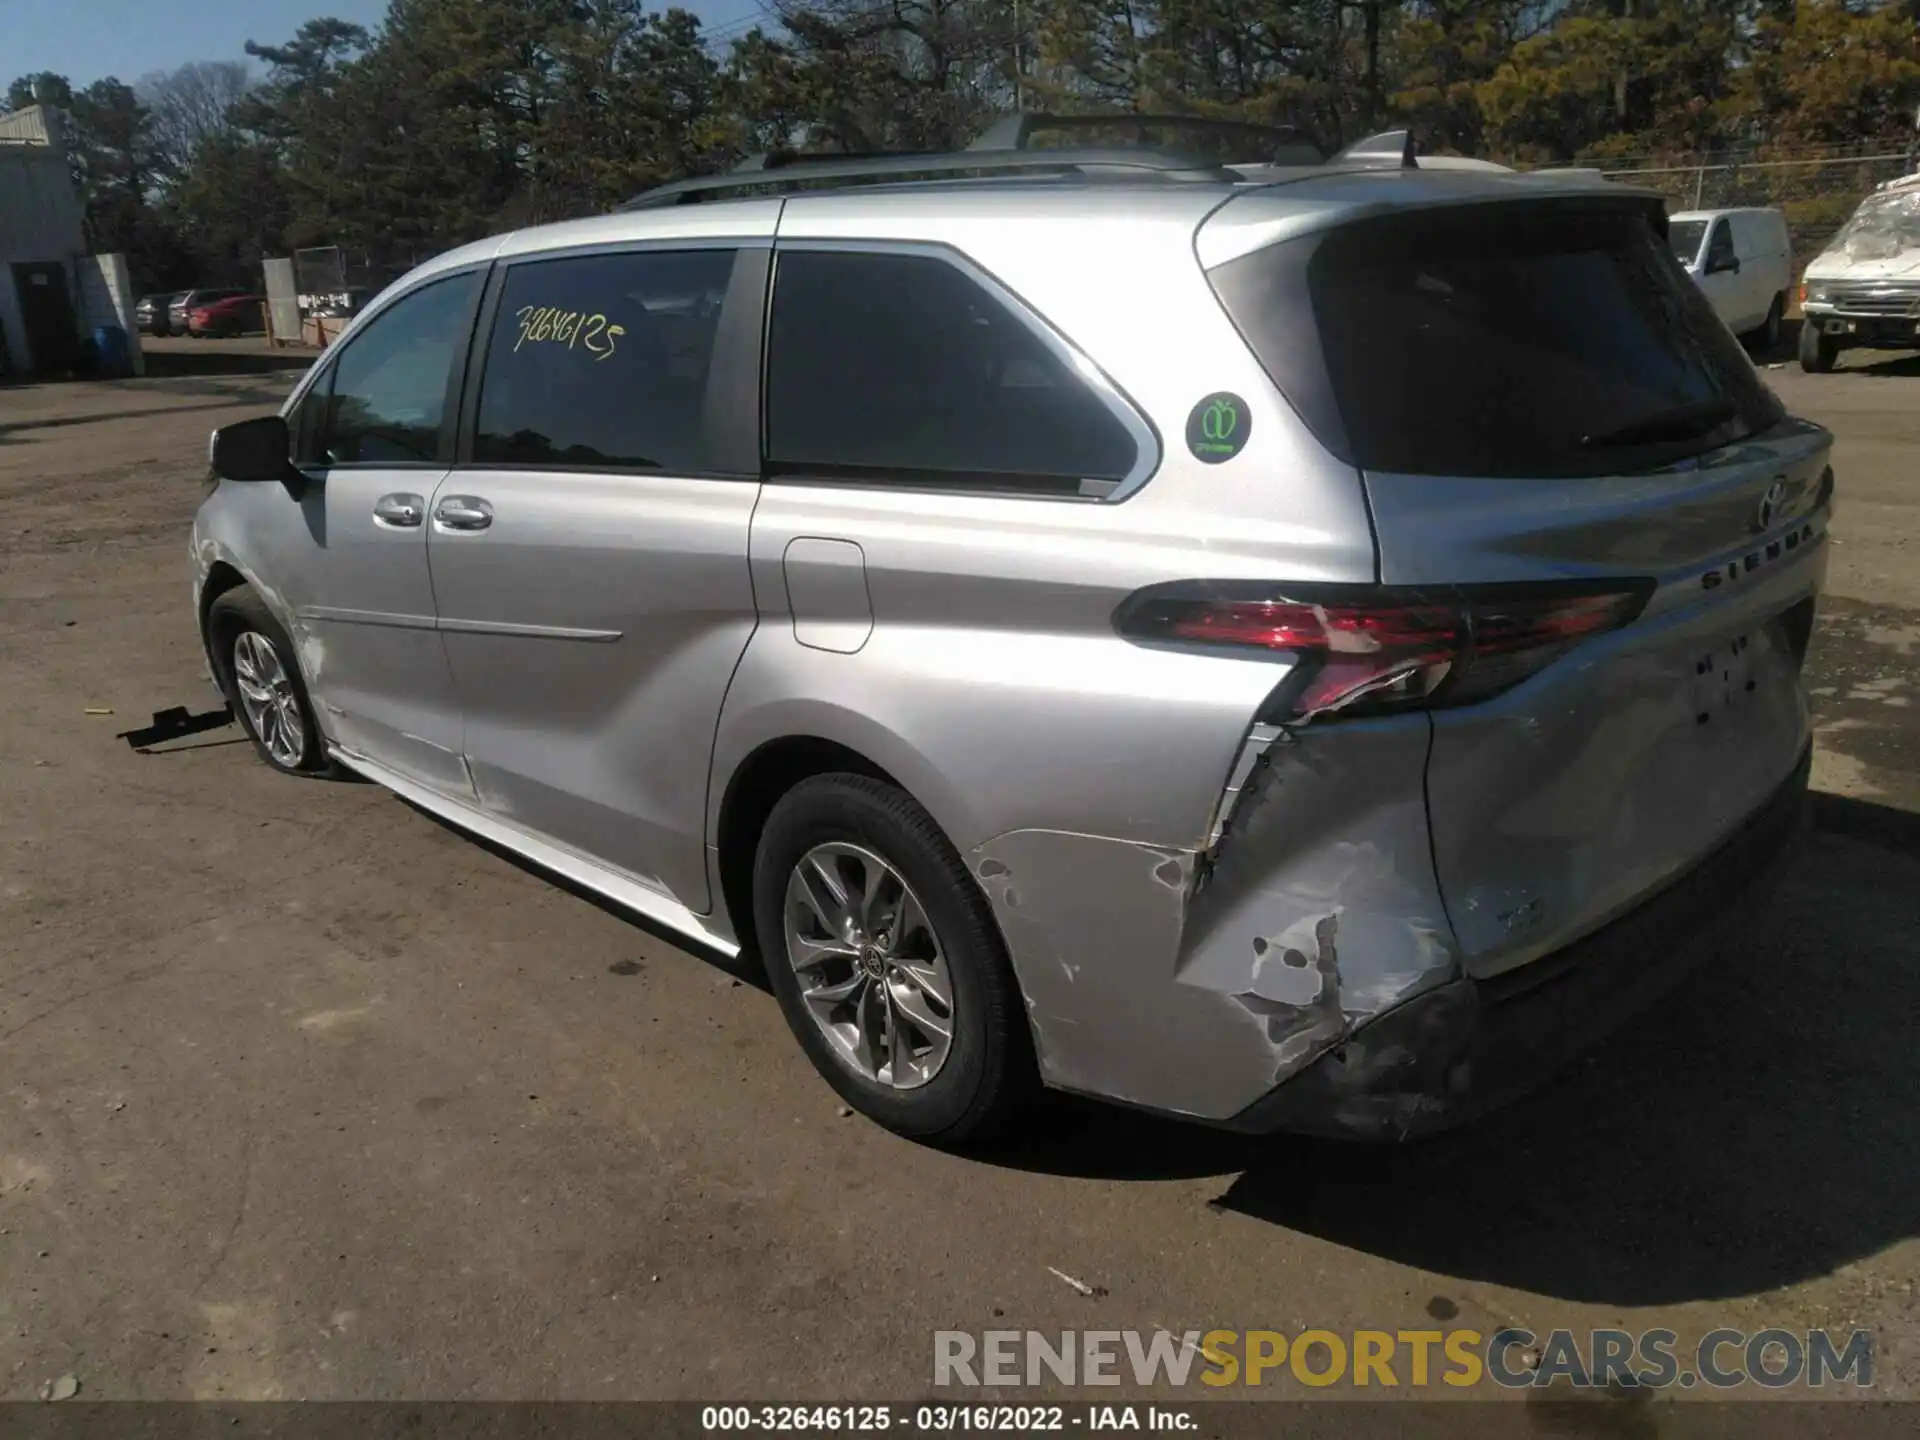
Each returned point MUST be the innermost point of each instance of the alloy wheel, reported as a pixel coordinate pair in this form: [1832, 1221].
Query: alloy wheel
[268, 697]
[871, 969]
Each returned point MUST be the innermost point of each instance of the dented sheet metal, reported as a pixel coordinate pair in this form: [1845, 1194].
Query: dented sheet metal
[1318, 910]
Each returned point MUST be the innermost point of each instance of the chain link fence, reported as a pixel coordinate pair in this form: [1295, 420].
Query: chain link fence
[1816, 188]
[331, 275]
[312, 293]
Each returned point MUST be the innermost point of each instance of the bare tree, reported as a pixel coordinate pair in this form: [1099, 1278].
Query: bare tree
[191, 106]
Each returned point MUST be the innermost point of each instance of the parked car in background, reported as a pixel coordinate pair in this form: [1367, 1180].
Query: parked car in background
[235, 315]
[1742, 260]
[150, 315]
[1864, 288]
[1297, 656]
[187, 301]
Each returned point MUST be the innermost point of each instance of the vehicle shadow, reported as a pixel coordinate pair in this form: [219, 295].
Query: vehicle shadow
[1888, 363]
[1787, 349]
[1754, 1131]
[67, 422]
[1895, 365]
[164, 364]
[744, 968]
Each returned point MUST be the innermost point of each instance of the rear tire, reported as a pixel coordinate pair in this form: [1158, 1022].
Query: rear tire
[875, 937]
[254, 662]
[1767, 338]
[1817, 350]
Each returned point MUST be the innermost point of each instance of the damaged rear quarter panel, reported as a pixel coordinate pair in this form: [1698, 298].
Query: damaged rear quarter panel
[1195, 984]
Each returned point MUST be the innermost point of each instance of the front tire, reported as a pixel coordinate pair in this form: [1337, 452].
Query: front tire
[255, 662]
[887, 963]
[1817, 351]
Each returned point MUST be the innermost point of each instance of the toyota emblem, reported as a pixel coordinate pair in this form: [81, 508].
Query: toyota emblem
[1769, 506]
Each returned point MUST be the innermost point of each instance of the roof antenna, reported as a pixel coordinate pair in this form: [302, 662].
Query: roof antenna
[1389, 147]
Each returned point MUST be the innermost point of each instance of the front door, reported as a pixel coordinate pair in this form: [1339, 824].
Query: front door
[589, 552]
[373, 435]
[1721, 281]
[46, 310]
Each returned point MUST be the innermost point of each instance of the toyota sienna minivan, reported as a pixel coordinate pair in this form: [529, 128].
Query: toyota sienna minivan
[1290, 646]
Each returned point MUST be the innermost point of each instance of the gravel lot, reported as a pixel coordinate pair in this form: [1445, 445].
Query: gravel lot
[304, 1095]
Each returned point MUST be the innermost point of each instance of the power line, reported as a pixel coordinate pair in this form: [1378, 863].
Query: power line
[740, 24]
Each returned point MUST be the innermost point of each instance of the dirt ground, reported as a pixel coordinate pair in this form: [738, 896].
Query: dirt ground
[304, 1095]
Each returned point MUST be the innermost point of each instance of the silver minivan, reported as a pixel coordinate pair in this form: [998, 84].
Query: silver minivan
[1295, 647]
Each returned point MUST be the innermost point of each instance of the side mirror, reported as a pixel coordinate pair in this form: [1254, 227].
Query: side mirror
[1723, 264]
[258, 449]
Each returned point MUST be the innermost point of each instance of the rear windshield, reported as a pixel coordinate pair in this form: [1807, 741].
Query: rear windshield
[1542, 339]
[1683, 238]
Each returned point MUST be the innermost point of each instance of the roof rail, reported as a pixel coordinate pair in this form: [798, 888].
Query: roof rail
[1004, 149]
[798, 172]
[1278, 144]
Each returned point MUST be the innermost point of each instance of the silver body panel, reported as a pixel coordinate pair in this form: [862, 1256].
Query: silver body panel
[1559, 803]
[582, 679]
[591, 630]
[356, 596]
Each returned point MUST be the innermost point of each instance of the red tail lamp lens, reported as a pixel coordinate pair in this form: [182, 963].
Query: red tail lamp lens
[1385, 653]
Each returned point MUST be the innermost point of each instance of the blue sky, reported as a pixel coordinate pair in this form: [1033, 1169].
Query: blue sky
[87, 39]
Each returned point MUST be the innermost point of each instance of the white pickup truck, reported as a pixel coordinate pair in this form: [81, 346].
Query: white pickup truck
[1864, 288]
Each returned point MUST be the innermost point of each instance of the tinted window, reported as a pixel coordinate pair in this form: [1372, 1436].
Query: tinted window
[903, 366]
[601, 360]
[386, 392]
[1720, 245]
[1683, 238]
[1550, 340]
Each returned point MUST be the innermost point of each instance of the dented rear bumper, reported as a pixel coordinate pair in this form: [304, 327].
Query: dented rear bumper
[1302, 974]
[1466, 1047]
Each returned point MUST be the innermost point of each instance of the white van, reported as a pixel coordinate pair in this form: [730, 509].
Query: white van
[1864, 288]
[1743, 261]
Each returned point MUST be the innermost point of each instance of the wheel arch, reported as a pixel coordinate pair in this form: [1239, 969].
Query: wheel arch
[752, 790]
[222, 577]
[762, 754]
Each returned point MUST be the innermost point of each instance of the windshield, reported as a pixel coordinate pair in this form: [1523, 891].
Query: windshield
[1683, 238]
[1538, 340]
[1884, 226]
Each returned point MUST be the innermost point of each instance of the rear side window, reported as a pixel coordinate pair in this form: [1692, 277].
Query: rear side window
[386, 391]
[600, 362]
[903, 369]
[1545, 340]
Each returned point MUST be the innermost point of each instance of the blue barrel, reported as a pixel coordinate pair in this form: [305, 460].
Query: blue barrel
[115, 356]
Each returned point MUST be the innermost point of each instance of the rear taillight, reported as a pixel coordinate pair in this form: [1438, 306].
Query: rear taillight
[1364, 651]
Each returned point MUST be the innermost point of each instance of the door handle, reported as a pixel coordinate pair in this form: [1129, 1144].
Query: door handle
[463, 512]
[399, 511]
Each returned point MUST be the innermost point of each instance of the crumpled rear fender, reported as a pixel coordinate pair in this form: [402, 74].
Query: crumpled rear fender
[1195, 981]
